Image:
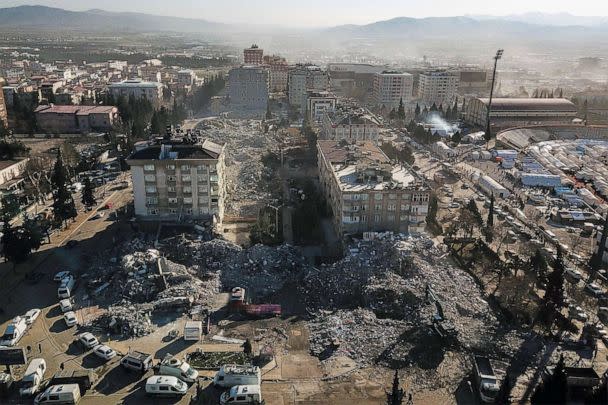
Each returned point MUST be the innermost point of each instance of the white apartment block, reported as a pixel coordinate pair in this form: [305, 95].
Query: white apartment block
[438, 86]
[304, 78]
[350, 124]
[153, 91]
[177, 181]
[390, 87]
[248, 87]
[367, 193]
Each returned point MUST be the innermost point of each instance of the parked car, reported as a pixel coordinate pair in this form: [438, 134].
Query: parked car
[61, 275]
[31, 315]
[70, 319]
[104, 352]
[65, 305]
[87, 340]
[574, 274]
[454, 205]
[594, 290]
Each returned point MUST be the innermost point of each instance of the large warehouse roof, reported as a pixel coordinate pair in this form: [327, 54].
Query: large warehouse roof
[531, 104]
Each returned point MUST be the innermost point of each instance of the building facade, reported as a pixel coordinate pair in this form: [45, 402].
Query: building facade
[71, 119]
[318, 103]
[253, 55]
[350, 124]
[278, 73]
[248, 87]
[366, 192]
[177, 181]
[152, 91]
[474, 82]
[3, 111]
[511, 112]
[304, 78]
[392, 87]
[354, 80]
[438, 86]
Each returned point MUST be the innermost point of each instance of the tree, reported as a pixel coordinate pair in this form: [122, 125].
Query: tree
[553, 390]
[457, 137]
[417, 111]
[63, 203]
[539, 266]
[392, 114]
[490, 221]
[472, 206]
[448, 113]
[455, 109]
[268, 112]
[595, 261]
[10, 207]
[247, 347]
[88, 196]
[553, 299]
[397, 394]
[401, 110]
[433, 107]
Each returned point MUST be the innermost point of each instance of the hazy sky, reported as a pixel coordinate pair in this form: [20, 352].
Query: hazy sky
[323, 12]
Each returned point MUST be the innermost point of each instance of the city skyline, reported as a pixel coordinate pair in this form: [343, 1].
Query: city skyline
[317, 13]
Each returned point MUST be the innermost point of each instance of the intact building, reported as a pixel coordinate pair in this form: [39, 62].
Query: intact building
[474, 81]
[278, 72]
[318, 103]
[304, 78]
[177, 181]
[367, 192]
[392, 87]
[438, 86]
[153, 91]
[253, 55]
[70, 119]
[352, 79]
[350, 124]
[248, 87]
[511, 112]
[3, 112]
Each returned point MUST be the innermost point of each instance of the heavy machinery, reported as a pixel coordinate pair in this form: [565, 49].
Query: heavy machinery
[442, 326]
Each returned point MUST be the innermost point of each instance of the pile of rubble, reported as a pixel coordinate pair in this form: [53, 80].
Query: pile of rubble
[245, 143]
[390, 278]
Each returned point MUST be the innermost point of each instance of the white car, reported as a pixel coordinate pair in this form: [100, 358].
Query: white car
[61, 275]
[70, 319]
[65, 305]
[88, 340]
[454, 205]
[104, 352]
[31, 315]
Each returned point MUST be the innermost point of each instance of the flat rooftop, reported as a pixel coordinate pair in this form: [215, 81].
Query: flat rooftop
[203, 150]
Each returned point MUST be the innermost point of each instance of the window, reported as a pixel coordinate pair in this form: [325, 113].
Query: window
[392, 196]
[185, 167]
[406, 196]
[391, 207]
[187, 190]
[152, 211]
[377, 207]
[170, 178]
[163, 388]
[170, 167]
[151, 200]
[213, 177]
[172, 200]
[204, 210]
[202, 168]
[390, 217]
[187, 200]
[53, 397]
[189, 211]
[241, 397]
[149, 168]
[214, 201]
[378, 196]
[150, 189]
[171, 189]
[203, 189]
[172, 211]
[377, 218]
[404, 217]
[186, 177]
[203, 200]
[150, 177]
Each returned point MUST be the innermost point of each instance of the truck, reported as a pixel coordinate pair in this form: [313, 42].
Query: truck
[83, 378]
[59, 394]
[193, 330]
[230, 375]
[172, 366]
[14, 332]
[485, 379]
[34, 374]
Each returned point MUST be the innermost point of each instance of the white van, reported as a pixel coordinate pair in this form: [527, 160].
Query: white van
[177, 368]
[242, 394]
[137, 361]
[66, 288]
[165, 385]
[59, 394]
[230, 375]
[14, 332]
[34, 374]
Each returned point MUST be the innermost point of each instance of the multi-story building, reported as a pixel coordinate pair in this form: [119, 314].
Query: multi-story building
[350, 124]
[153, 91]
[304, 78]
[510, 112]
[438, 86]
[253, 55]
[278, 72]
[150, 73]
[248, 87]
[186, 77]
[318, 103]
[3, 112]
[354, 80]
[177, 181]
[474, 82]
[367, 192]
[70, 119]
[392, 87]
[48, 89]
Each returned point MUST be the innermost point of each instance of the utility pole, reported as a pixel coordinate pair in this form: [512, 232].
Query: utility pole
[496, 58]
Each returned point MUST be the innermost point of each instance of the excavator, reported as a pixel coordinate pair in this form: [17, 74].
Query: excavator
[443, 327]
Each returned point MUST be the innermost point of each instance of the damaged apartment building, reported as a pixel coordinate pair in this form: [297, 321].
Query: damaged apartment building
[367, 192]
[179, 180]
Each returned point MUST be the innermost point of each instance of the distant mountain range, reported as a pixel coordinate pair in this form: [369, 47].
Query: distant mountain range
[521, 27]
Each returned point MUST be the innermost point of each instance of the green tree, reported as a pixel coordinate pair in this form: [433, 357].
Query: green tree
[472, 206]
[15, 244]
[63, 203]
[596, 259]
[455, 109]
[539, 266]
[433, 107]
[431, 215]
[10, 207]
[401, 110]
[247, 347]
[417, 111]
[553, 299]
[88, 195]
[490, 221]
[457, 137]
[448, 113]
[268, 112]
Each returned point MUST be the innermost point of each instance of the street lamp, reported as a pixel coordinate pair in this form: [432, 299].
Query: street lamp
[498, 56]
